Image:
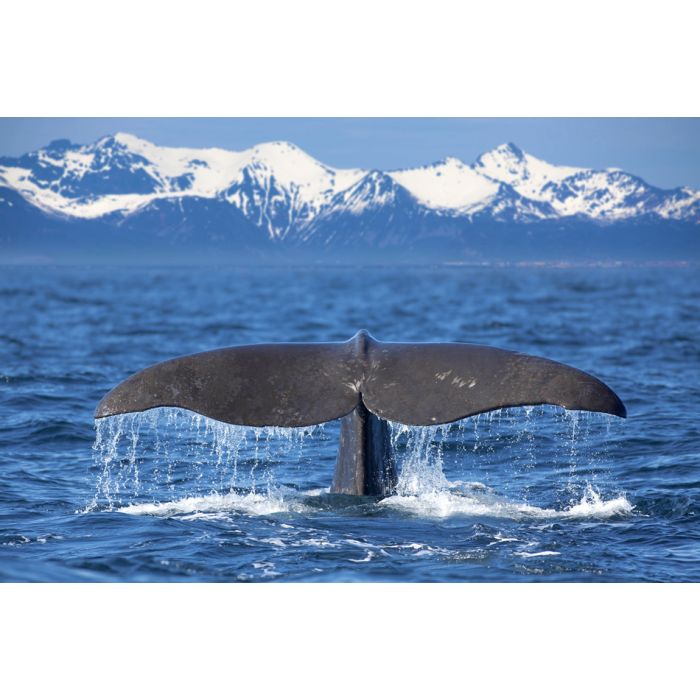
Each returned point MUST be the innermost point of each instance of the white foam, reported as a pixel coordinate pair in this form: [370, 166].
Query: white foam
[592, 505]
[267, 569]
[422, 490]
[502, 539]
[453, 501]
[448, 503]
[217, 504]
[369, 556]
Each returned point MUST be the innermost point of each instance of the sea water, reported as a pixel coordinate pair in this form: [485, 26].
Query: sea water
[527, 494]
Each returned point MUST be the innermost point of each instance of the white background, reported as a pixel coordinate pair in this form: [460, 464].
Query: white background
[357, 58]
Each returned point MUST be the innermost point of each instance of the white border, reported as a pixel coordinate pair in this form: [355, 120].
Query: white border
[344, 640]
[359, 58]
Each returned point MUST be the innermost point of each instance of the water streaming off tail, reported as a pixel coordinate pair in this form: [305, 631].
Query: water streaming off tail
[541, 457]
[166, 454]
[420, 458]
[168, 461]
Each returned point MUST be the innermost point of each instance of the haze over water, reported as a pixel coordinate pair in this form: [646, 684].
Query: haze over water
[520, 495]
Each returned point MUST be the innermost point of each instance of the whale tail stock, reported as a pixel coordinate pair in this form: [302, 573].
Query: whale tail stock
[363, 381]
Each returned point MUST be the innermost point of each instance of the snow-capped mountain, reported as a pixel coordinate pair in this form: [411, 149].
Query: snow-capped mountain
[277, 192]
[123, 174]
[600, 195]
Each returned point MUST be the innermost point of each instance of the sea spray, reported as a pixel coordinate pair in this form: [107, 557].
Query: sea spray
[419, 452]
[166, 453]
[505, 447]
[167, 460]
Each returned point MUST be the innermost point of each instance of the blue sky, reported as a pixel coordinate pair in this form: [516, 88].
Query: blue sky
[665, 152]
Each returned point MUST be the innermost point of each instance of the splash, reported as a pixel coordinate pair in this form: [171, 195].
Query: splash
[419, 449]
[433, 460]
[134, 460]
[476, 500]
[170, 462]
[592, 505]
[220, 505]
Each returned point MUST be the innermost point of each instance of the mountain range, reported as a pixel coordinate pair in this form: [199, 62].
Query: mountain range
[125, 199]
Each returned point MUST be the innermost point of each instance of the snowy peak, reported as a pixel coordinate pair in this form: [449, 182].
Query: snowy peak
[374, 191]
[297, 170]
[448, 184]
[505, 163]
[508, 163]
[599, 195]
[133, 143]
[505, 153]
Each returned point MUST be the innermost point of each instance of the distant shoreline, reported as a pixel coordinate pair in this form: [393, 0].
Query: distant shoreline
[324, 264]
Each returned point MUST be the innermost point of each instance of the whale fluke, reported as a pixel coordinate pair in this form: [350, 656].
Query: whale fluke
[298, 384]
[364, 381]
[278, 384]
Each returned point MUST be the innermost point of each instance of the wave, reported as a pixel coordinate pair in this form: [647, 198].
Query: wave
[472, 499]
[475, 499]
[221, 504]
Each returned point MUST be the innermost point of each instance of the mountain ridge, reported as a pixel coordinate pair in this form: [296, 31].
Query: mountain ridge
[276, 192]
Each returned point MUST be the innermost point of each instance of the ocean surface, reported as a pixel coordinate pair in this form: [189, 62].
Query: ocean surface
[529, 494]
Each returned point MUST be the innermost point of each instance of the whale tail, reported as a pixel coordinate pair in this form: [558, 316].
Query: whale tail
[363, 381]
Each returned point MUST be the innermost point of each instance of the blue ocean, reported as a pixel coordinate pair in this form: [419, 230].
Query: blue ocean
[527, 494]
